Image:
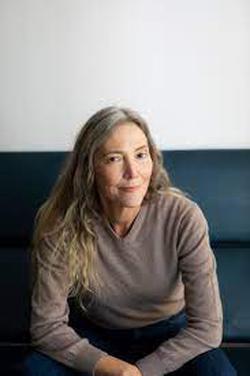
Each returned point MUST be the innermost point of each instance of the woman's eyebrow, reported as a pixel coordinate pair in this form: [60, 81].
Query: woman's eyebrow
[121, 151]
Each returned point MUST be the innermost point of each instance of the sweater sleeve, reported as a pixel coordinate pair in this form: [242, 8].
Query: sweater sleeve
[49, 329]
[203, 332]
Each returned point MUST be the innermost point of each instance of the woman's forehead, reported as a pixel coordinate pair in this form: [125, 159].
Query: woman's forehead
[127, 134]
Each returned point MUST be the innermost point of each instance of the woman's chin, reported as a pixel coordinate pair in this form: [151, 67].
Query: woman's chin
[131, 202]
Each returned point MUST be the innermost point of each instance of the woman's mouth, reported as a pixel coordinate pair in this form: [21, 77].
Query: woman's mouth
[130, 189]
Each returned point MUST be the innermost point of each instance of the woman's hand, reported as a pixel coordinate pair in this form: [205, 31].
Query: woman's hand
[111, 366]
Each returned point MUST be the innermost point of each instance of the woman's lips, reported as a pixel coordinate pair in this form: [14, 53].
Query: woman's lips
[130, 189]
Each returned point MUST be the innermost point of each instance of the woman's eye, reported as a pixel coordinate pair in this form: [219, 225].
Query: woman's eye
[142, 155]
[114, 158]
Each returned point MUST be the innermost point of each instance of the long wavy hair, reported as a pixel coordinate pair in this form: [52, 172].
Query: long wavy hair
[63, 226]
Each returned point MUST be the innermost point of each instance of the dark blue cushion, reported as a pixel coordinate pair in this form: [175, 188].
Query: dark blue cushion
[26, 179]
[14, 295]
[240, 359]
[234, 279]
[219, 180]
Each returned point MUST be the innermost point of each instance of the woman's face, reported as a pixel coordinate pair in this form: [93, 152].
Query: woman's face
[123, 167]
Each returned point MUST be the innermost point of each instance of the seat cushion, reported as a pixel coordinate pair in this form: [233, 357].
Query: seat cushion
[239, 357]
[12, 358]
[234, 279]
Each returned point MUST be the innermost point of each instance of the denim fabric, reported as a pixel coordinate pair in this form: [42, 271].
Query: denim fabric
[131, 345]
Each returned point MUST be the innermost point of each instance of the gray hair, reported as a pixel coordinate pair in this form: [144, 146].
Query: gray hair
[66, 217]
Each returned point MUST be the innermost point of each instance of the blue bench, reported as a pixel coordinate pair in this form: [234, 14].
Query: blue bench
[218, 180]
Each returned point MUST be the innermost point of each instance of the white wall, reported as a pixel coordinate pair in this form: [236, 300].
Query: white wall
[185, 65]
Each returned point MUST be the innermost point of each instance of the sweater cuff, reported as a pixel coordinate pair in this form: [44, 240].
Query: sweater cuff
[151, 365]
[86, 361]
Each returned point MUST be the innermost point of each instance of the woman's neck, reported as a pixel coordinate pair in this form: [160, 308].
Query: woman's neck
[121, 220]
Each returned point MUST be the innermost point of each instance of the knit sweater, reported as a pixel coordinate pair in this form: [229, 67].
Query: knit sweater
[162, 265]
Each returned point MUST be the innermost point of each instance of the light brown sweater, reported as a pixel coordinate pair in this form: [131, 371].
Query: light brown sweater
[162, 264]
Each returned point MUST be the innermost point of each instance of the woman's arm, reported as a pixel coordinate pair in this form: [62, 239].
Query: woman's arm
[197, 265]
[50, 333]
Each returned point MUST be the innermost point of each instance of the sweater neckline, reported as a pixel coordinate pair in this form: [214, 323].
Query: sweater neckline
[133, 230]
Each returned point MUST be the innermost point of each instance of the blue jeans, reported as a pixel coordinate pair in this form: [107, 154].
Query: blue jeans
[131, 345]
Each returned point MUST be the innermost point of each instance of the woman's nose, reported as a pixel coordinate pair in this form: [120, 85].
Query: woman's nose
[130, 169]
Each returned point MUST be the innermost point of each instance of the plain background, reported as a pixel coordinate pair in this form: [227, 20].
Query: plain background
[184, 65]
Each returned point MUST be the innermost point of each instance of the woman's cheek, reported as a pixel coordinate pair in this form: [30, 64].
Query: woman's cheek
[147, 172]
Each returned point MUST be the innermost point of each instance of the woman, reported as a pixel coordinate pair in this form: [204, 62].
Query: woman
[134, 253]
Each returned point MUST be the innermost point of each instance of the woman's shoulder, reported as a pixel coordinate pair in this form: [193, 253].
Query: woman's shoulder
[173, 200]
[173, 206]
[174, 209]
